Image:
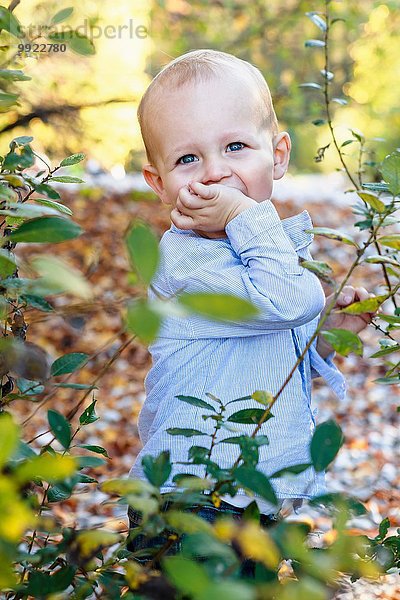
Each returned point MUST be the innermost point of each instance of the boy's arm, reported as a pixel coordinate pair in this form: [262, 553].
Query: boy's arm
[260, 264]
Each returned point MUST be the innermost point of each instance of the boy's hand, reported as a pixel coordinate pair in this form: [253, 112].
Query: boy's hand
[354, 323]
[208, 208]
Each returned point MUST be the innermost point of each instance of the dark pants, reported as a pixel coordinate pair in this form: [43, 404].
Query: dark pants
[208, 513]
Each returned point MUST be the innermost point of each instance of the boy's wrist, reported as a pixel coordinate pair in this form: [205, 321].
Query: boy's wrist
[243, 205]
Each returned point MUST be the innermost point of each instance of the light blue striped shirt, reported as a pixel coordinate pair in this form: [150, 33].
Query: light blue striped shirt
[258, 261]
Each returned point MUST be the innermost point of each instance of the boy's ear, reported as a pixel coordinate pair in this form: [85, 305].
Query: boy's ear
[154, 180]
[282, 146]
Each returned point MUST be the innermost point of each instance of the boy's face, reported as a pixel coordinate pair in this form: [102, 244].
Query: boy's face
[210, 132]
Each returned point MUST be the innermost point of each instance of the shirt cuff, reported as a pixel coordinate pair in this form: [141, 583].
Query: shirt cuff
[250, 223]
[327, 369]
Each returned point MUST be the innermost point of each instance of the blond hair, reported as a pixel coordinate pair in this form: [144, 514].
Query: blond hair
[194, 66]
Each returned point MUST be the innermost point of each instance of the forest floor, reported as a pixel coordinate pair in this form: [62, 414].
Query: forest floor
[367, 464]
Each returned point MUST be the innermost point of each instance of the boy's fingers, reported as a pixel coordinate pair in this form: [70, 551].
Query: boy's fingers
[181, 221]
[346, 296]
[187, 200]
[362, 294]
[205, 191]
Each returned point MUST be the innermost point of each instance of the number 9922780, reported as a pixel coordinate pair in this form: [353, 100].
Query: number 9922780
[41, 48]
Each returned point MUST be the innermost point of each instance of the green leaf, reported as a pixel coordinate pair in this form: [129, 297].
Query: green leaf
[222, 307]
[321, 269]
[196, 402]
[69, 363]
[29, 387]
[76, 386]
[14, 75]
[77, 42]
[378, 258]
[393, 241]
[333, 234]
[364, 306]
[318, 122]
[90, 462]
[257, 482]
[52, 204]
[338, 499]
[96, 449]
[22, 140]
[390, 319]
[293, 470]
[198, 454]
[248, 416]
[390, 170]
[126, 487]
[47, 190]
[43, 584]
[9, 22]
[7, 263]
[91, 541]
[394, 380]
[46, 229]
[259, 440]
[143, 251]
[72, 160]
[6, 101]
[358, 135]
[59, 493]
[311, 84]
[142, 320]
[187, 523]
[228, 590]
[372, 200]
[61, 15]
[376, 187]
[37, 302]
[9, 435]
[317, 20]
[46, 466]
[325, 444]
[344, 341]
[61, 277]
[6, 193]
[11, 160]
[314, 44]
[60, 427]
[187, 576]
[385, 351]
[67, 179]
[157, 469]
[192, 482]
[89, 414]
[27, 210]
[185, 432]
[263, 397]
[384, 527]
[22, 452]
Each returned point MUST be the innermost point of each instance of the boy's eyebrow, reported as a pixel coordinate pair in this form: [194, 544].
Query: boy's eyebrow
[177, 151]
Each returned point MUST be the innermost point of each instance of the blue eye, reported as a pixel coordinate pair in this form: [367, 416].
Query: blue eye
[182, 160]
[239, 145]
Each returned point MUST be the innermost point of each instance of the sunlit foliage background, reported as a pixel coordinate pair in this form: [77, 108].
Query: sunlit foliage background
[365, 61]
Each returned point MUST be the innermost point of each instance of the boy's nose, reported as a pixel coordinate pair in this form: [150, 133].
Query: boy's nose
[214, 171]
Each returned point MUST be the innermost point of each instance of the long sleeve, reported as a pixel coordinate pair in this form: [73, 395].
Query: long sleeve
[326, 368]
[258, 262]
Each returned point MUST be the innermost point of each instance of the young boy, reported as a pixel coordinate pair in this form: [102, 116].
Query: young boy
[214, 149]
